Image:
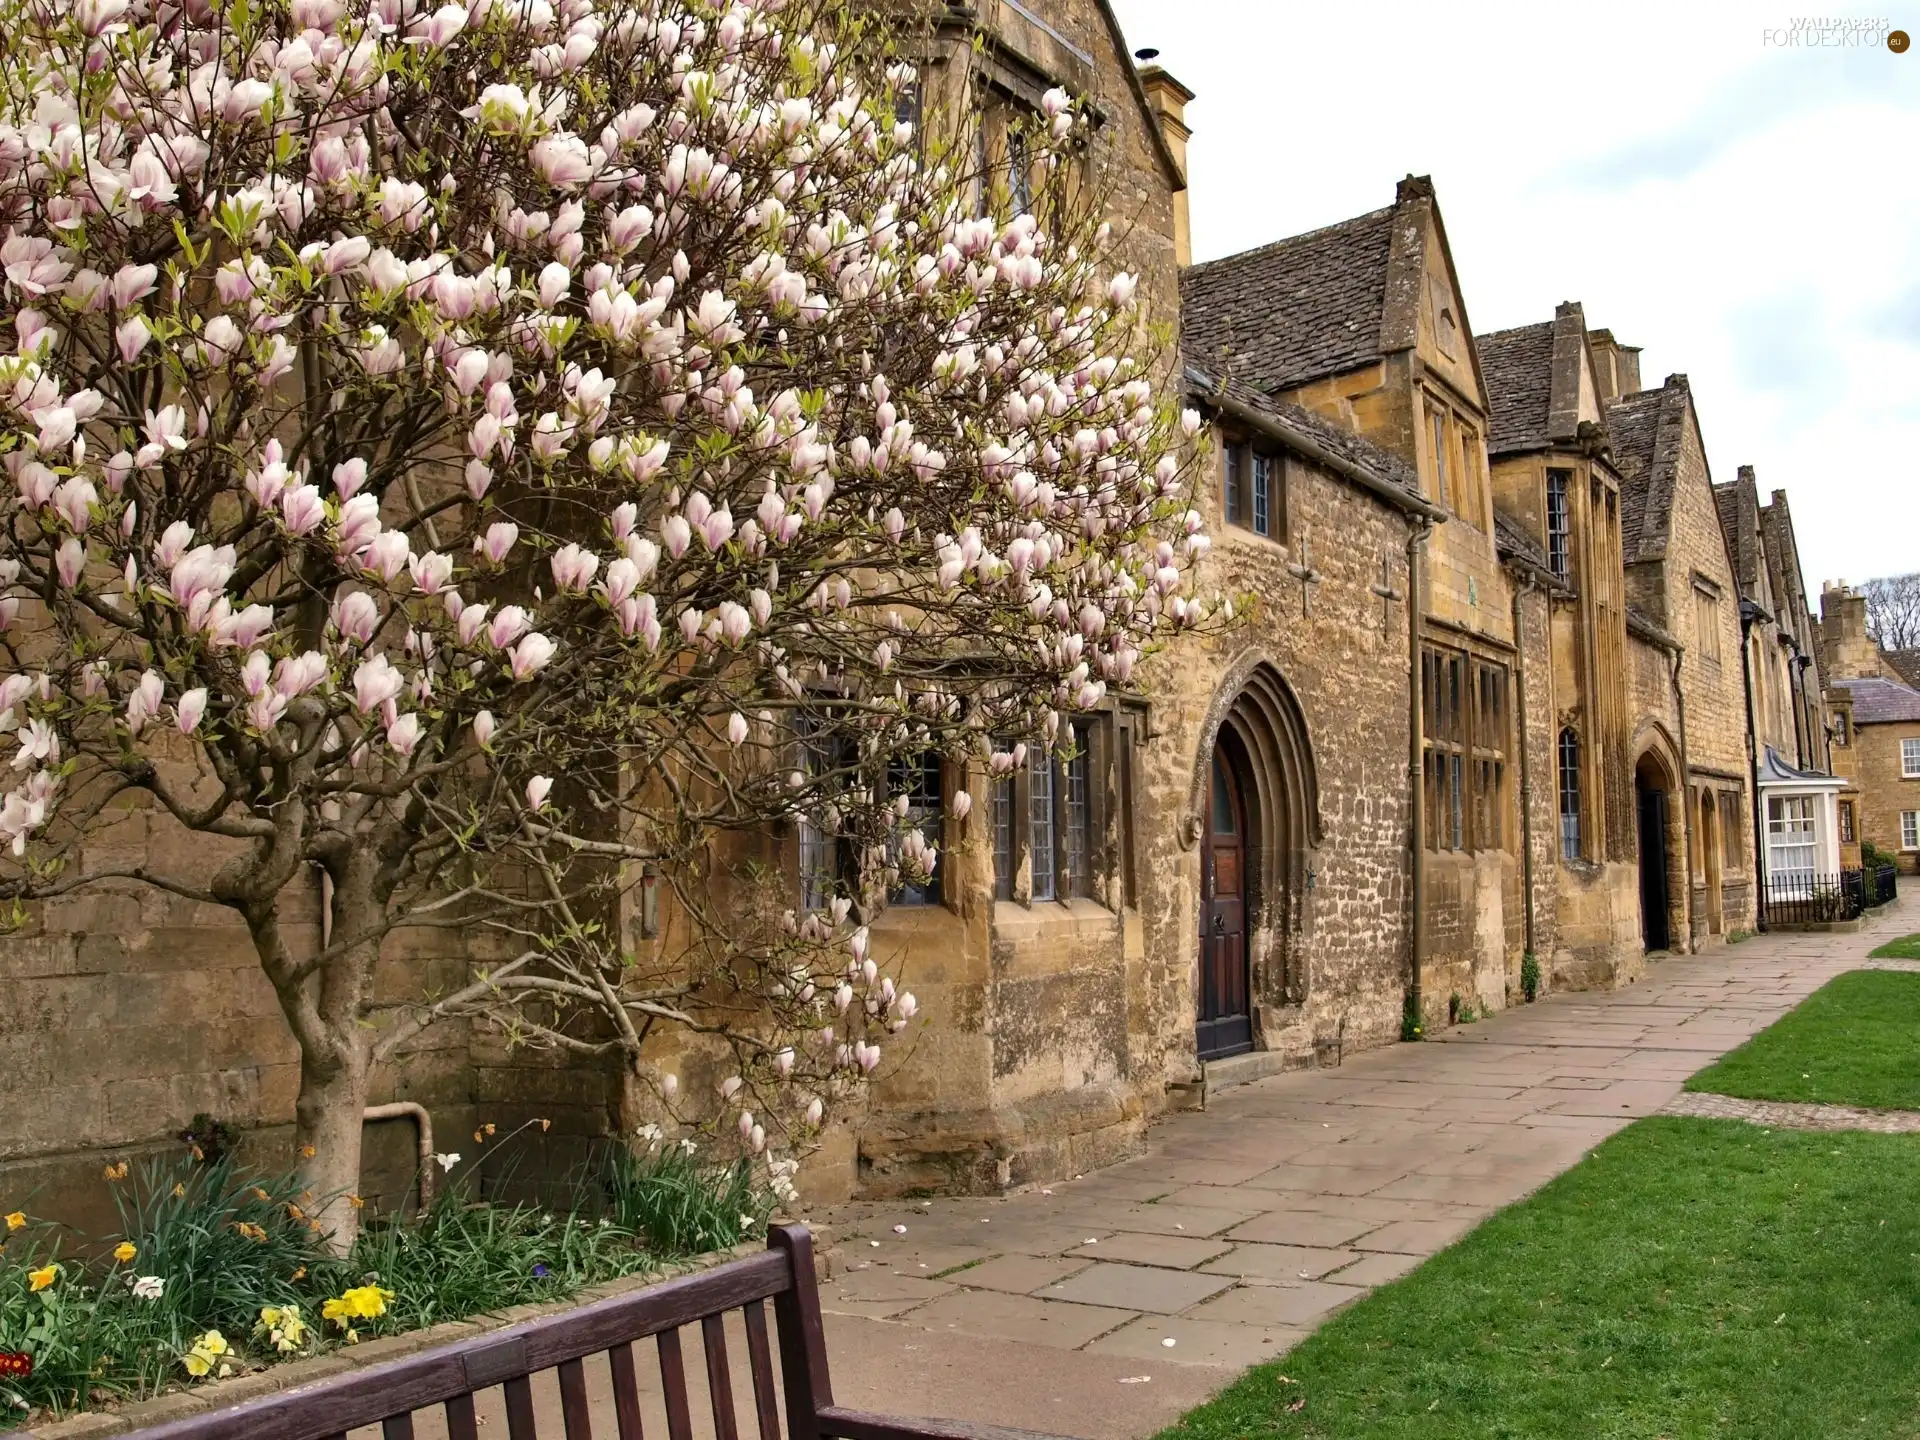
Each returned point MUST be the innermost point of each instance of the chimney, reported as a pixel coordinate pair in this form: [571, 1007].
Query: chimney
[1616, 365]
[1846, 650]
[1168, 99]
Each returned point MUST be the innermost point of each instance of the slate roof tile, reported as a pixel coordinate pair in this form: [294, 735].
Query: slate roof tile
[1294, 311]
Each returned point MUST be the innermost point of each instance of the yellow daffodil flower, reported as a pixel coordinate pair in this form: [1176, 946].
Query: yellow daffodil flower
[125, 1251]
[17, 1220]
[43, 1277]
[363, 1302]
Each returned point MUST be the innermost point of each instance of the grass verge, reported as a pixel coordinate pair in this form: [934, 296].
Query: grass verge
[1907, 947]
[1690, 1278]
[1854, 1041]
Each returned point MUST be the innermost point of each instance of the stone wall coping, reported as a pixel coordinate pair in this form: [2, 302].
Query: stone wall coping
[221, 1393]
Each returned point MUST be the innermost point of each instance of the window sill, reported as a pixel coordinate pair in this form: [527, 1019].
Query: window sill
[914, 919]
[1011, 918]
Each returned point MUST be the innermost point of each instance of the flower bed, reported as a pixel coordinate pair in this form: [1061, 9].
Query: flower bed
[218, 1272]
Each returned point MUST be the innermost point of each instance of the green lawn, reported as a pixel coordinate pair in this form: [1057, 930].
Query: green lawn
[1907, 947]
[1691, 1278]
[1854, 1041]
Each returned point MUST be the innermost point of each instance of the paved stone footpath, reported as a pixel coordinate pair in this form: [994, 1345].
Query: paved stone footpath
[1793, 1115]
[1104, 1306]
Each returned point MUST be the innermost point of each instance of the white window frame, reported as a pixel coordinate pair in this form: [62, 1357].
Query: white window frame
[1910, 829]
[1793, 839]
[1910, 759]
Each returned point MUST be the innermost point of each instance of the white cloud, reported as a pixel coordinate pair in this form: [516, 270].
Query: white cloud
[1743, 210]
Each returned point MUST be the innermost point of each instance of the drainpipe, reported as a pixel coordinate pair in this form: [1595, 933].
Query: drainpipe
[1748, 614]
[1526, 768]
[423, 1133]
[1416, 767]
[1686, 786]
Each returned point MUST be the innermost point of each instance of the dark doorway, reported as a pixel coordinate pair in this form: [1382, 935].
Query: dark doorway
[1225, 1025]
[1653, 864]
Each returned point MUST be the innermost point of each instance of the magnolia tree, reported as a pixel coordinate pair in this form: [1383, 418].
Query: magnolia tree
[492, 453]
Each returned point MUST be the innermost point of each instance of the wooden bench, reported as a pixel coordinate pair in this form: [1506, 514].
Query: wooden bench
[389, 1394]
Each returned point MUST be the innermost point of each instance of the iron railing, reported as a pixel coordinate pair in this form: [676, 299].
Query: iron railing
[1812, 899]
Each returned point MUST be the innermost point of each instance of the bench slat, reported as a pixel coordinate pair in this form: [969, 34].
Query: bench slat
[626, 1392]
[521, 1424]
[397, 1427]
[461, 1423]
[573, 1401]
[673, 1383]
[713, 1340]
[760, 1359]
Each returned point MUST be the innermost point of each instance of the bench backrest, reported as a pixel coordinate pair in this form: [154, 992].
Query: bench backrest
[450, 1376]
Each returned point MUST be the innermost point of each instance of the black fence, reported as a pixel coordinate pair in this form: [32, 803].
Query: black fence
[1826, 899]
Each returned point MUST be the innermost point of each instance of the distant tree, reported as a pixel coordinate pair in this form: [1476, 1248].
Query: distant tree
[1893, 611]
[498, 453]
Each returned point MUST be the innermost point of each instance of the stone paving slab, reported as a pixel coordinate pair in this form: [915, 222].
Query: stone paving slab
[1138, 1287]
[1290, 1197]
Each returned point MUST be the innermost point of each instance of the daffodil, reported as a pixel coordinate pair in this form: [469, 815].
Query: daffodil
[43, 1277]
[283, 1327]
[125, 1251]
[17, 1220]
[363, 1302]
[207, 1356]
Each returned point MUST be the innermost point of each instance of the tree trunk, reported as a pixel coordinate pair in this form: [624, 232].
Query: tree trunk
[327, 1132]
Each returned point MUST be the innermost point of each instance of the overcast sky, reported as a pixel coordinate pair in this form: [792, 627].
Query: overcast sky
[1747, 212]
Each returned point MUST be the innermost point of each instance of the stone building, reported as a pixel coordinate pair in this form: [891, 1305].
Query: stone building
[1799, 834]
[1364, 324]
[1692, 771]
[1557, 491]
[1876, 732]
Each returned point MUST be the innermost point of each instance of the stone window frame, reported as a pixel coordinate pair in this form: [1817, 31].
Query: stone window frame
[1241, 460]
[1559, 522]
[1706, 618]
[1733, 845]
[1567, 753]
[1463, 769]
[817, 885]
[1082, 860]
[1456, 460]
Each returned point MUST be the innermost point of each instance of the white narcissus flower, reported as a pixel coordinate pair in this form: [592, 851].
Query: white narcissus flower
[447, 1161]
[149, 1287]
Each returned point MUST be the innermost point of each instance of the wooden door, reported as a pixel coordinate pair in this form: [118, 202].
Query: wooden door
[1654, 927]
[1225, 1025]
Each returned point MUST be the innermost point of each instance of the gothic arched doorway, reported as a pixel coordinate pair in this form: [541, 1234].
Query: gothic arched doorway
[1225, 1022]
[1255, 809]
[1660, 887]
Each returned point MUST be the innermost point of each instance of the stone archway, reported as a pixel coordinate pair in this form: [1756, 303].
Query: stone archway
[1256, 742]
[1660, 830]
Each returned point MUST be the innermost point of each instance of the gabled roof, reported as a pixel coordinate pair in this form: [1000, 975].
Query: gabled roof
[1293, 311]
[1519, 369]
[1878, 702]
[1648, 430]
[1383, 472]
[1533, 381]
[1905, 663]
